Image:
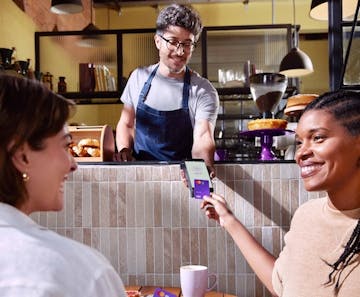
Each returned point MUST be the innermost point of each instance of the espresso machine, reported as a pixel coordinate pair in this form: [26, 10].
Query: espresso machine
[267, 89]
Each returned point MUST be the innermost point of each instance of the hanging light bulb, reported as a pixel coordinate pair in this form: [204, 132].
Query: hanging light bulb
[66, 6]
[296, 63]
[319, 9]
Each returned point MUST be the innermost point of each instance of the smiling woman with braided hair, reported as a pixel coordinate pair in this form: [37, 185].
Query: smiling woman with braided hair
[321, 256]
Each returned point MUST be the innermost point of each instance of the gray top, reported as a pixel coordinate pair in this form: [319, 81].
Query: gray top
[166, 94]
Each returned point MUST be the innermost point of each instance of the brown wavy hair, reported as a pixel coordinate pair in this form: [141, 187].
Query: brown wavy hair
[29, 113]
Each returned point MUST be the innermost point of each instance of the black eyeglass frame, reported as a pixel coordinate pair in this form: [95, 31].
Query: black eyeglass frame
[187, 46]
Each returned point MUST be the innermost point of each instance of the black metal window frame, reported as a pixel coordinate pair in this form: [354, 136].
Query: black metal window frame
[337, 64]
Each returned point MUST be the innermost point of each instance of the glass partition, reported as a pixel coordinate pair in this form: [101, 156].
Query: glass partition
[351, 68]
[232, 49]
[89, 65]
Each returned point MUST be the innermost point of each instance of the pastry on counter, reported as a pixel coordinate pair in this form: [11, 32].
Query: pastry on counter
[133, 294]
[87, 147]
[298, 102]
[260, 124]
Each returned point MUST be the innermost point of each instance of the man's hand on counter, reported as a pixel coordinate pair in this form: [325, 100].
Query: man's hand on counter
[124, 155]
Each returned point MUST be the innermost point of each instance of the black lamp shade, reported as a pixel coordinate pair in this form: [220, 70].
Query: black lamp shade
[319, 9]
[89, 39]
[296, 63]
[66, 6]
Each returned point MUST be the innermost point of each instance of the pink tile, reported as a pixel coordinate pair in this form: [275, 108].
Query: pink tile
[142, 219]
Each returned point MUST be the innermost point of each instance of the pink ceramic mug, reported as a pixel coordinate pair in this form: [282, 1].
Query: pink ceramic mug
[194, 280]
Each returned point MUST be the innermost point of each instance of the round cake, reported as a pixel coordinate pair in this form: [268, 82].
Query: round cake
[260, 124]
[133, 293]
[298, 103]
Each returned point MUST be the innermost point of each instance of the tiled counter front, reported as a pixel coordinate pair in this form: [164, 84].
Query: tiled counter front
[142, 219]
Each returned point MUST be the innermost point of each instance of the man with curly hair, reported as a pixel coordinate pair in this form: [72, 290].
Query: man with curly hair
[169, 110]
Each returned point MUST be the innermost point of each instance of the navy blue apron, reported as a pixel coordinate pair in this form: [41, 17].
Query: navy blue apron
[163, 135]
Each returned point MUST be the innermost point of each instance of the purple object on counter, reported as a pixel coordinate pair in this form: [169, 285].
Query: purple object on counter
[161, 292]
[266, 140]
[220, 155]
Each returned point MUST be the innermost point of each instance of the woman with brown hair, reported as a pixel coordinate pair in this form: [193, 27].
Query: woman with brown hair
[321, 253]
[34, 165]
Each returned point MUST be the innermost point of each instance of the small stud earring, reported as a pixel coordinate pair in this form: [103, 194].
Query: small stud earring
[25, 177]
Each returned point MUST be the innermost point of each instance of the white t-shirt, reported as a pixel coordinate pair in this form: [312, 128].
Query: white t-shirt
[167, 93]
[37, 262]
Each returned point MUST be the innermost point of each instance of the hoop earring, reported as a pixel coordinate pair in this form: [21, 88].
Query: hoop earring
[25, 177]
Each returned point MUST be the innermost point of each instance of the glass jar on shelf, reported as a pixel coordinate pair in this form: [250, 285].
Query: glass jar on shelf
[47, 80]
[61, 85]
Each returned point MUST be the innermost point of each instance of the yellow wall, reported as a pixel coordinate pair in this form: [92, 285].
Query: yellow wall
[17, 30]
[318, 81]
[216, 14]
[100, 114]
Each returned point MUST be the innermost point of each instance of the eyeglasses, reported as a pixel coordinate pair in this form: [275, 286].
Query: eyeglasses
[174, 44]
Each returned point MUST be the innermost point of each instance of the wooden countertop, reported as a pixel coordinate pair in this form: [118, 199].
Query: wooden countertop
[149, 290]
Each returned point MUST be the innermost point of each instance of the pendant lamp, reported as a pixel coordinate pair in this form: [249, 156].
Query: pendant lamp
[66, 6]
[319, 9]
[89, 39]
[296, 63]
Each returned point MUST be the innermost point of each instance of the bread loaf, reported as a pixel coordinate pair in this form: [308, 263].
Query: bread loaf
[86, 147]
[89, 142]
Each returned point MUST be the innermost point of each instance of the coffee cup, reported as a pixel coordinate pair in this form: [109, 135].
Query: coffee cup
[194, 280]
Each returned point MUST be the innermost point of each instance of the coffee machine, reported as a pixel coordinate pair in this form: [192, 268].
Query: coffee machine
[267, 89]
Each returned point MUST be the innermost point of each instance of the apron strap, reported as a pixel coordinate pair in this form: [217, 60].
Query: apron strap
[186, 88]
[146, 88]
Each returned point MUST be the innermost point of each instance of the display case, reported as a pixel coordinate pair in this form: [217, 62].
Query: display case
[237, 108]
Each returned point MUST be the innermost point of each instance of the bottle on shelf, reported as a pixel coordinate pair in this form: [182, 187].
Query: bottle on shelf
[61, 85]
[47, 80]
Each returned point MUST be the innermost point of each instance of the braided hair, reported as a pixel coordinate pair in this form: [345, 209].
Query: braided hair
[351, 249]
[345, 107]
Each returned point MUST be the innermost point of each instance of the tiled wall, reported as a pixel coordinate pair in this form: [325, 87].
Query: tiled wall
[142, 219]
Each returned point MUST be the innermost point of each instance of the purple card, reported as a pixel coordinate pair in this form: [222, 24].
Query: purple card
[201, 188]
[162, 293]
